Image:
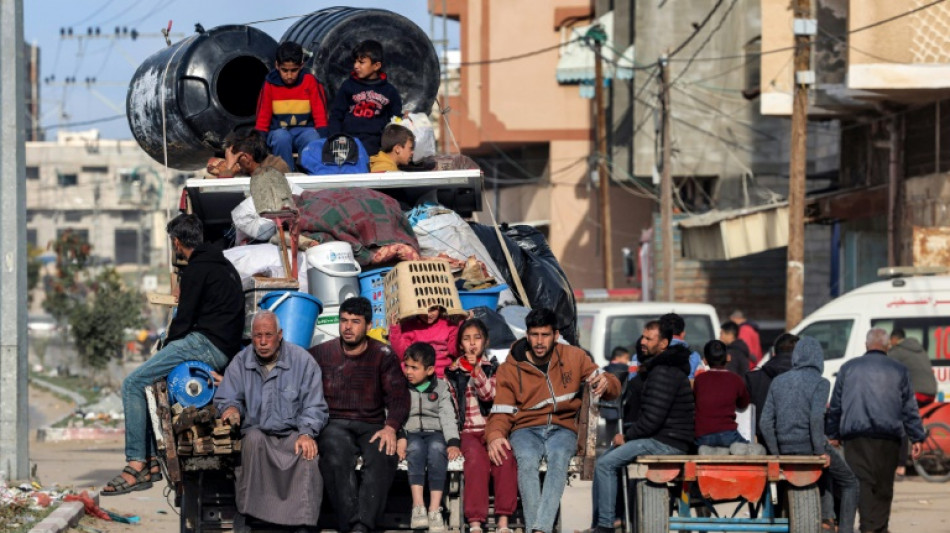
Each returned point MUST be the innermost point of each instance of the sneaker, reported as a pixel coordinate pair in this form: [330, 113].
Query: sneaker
[436, 525]
[419, 519]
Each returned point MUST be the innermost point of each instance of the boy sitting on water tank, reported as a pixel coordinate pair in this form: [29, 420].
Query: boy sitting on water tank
[366, 100]
[292, 107]
[395, 150]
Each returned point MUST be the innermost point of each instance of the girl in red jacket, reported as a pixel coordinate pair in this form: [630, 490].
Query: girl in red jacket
[433, 328]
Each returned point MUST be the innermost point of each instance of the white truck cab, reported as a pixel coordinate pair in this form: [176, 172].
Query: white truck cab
[919, 304]
[602, 326]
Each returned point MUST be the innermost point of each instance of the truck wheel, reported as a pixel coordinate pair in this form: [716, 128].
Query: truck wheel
[804, 509]
[934, 461]
[653, 507]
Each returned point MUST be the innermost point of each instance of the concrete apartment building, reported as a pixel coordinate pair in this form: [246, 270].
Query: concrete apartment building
[883, 70]
[108, 191]
[531, 135]
[528, 122]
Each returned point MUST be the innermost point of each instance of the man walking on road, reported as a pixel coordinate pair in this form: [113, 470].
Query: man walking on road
[872, 409]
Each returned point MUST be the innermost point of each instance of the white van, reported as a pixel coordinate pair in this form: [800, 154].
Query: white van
[602, 326]
[918, 304]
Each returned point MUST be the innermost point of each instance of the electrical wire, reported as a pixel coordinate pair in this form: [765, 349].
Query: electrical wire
[161, 5]
[130, 7]
[83, 122]
[697, 29]
[896, 17]
[722, 20]
[519, 56]
[93, 14]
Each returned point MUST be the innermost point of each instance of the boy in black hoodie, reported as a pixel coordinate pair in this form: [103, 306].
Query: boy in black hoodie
[366, 101]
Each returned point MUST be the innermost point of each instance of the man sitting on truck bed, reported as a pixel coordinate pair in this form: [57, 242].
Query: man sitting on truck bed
[536, 407]
[274, 391]
[207, 327]
[368, 397]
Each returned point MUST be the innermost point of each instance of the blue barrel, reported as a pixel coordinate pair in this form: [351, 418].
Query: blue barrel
[371, 288]
[297, 314]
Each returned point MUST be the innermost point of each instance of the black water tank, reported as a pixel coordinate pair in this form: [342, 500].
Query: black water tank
[410, 61]
[211, 87]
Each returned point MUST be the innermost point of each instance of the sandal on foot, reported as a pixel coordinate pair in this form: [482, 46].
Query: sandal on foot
[828, 524]
[475, 529]
[120, 486]
[504, 530]
[155, 470]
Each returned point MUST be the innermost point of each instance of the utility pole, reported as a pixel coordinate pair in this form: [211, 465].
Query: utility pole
[603, 178]
[804, 28]
[14, 416]
[666, 186]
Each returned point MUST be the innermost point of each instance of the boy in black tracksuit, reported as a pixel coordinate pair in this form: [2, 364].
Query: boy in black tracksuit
[366, 101]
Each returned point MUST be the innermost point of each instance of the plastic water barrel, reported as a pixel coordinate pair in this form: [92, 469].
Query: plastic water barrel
[410, 61]
[332, 273]
[209, 83]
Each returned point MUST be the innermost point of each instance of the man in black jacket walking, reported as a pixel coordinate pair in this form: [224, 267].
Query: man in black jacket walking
[872, 408]
[207, 327]
[664, 424]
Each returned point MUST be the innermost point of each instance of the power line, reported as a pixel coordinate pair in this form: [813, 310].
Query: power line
[708, 38]
[520, 56]
[697, 29]
[898, 16]
[123, 12]
[788, 48]
[93, 14]
[83, 122]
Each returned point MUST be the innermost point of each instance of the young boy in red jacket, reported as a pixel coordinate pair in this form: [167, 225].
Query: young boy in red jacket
[292, 107]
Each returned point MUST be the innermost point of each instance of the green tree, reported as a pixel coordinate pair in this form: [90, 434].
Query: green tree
[67, 287]
[100, 321]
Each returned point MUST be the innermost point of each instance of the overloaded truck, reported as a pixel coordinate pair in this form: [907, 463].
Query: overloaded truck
[182, 103]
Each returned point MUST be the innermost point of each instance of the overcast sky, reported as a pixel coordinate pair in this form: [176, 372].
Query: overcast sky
[112, 62]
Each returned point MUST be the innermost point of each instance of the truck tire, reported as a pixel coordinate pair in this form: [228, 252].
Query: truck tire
[804, 509]
[653, 507]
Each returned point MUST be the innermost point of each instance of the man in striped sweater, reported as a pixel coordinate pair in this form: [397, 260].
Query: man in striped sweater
[368, 398]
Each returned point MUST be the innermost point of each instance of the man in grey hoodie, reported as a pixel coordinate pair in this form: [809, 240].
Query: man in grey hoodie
[793, 422]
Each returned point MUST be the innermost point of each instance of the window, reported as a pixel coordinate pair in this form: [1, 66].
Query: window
[127, 246]
[625, 330]
[67, 180]
[31, 237]
[95, 169]
[933, 332]
[832, 334]
[32, 173]
[72, 216]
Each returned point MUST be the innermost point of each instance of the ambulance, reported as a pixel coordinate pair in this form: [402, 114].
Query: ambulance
[914, 299]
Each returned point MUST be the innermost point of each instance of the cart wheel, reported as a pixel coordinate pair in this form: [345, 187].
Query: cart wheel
[934, 461]
[804, 509]
[653, 507]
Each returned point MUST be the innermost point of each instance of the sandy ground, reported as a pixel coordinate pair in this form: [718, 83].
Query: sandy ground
[918, 506]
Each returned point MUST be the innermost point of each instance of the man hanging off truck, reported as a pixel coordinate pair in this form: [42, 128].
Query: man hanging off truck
[207, 327]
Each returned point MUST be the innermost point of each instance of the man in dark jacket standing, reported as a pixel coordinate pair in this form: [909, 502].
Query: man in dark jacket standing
[909, 352]
[872, 408]
[207, 327]
[664, 425]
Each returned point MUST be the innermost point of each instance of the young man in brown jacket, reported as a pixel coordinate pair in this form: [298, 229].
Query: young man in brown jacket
[535, 409]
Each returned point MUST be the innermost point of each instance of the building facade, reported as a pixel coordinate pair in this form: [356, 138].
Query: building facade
[109, 192]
